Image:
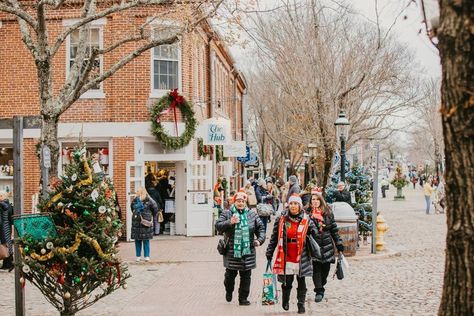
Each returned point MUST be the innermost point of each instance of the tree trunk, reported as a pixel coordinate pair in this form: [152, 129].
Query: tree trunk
[327, 166]
[456, 50]
[49, 137]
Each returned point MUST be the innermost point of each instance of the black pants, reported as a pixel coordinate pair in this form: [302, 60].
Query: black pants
[300, 291]
[383, 192]
[320, 275]
[244, 288]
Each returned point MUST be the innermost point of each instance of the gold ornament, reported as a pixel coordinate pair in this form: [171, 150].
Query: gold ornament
[67, 295]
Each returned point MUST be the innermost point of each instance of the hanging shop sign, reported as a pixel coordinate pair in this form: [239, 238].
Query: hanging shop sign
[235, 149]
[215, 131]
[246, 157]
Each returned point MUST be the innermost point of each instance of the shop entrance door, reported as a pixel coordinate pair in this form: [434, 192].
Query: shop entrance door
[135, 179]
[199, 198]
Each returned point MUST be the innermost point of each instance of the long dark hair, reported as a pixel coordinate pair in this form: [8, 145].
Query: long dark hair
[324, 206]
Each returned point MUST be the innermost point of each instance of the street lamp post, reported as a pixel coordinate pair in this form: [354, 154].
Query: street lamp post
[306, 169]
[342, 130]
[287, 165]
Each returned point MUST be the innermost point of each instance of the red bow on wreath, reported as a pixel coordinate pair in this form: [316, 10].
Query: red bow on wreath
[176, 100]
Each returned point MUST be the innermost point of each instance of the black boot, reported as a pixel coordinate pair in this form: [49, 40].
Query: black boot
[285, 298]
[229, 283]
[8, 264]
[301, 309]
[244, 288]
[301, 295]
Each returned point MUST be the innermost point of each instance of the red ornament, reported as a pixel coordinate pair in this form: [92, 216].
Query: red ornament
[61, 279]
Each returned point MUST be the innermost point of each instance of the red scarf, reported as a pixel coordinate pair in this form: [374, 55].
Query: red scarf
[279, 265]
[317, 214]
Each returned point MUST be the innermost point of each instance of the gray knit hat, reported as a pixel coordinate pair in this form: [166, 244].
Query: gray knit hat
[293, 179]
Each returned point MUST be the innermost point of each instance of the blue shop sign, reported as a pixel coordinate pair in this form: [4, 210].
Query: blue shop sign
[247, 155]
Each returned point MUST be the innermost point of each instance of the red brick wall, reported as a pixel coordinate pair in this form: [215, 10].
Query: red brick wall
[31, 172]
[123, 151]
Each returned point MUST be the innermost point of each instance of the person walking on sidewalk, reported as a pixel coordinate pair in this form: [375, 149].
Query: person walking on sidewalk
[289, 236]
[428, 191]
[6, 222]
[323, 218]
[144, 209]
[240, 225]
[384, 185]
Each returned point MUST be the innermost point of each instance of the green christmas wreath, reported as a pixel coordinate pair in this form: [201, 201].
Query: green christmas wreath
[164, 105]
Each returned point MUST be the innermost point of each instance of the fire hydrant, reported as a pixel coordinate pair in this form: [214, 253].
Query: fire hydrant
[382, 227]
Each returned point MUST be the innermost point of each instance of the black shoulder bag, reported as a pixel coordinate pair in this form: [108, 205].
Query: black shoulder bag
[222, 245]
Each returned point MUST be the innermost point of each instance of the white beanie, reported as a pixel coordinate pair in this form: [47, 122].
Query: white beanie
[296, 198]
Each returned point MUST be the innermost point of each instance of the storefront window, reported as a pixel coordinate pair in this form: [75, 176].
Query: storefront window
[99, 148]
[6, 168]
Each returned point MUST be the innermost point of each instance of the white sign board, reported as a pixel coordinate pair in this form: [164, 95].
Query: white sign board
[215, 131]
[235, 149]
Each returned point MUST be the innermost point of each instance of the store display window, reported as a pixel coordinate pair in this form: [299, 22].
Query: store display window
[98, 150]
[6, 168]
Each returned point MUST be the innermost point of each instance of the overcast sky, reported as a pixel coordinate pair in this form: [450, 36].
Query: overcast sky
[406, 27]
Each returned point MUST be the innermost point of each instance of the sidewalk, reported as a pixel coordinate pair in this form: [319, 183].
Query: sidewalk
[185, 276]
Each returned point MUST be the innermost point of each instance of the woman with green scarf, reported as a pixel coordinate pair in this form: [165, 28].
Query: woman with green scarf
[240, 225]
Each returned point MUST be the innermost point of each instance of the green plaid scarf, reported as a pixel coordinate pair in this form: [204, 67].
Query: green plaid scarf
[241, 234]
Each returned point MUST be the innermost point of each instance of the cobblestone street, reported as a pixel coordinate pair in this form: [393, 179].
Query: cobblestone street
[186, 275]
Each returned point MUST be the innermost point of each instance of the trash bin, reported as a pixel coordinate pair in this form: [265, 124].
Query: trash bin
[346, 220]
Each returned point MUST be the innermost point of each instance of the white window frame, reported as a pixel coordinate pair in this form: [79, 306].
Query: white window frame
[158, 93]
[97, 24]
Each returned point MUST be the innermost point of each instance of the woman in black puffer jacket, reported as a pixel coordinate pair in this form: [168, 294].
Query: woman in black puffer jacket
[6, 222]
[239, 225]
[143, 207]
[290, 237]
[323, 218]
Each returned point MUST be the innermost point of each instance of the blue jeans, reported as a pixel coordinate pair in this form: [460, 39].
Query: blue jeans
[146, 247]
[427, 199]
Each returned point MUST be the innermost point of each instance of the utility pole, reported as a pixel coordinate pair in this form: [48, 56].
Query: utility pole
[17, 124]
[375, 195]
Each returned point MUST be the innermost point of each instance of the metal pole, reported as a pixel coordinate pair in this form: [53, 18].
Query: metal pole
[375, 195]
[18, 206]
[343, 159]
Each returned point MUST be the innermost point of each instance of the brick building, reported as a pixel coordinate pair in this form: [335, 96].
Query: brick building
[113, 117]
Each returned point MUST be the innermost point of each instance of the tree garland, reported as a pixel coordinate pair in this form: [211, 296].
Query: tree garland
[165, 105]
[204, 150]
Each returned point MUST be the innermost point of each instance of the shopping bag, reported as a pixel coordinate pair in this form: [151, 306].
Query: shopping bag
[339, 272]
[269, 291]
[345, 264]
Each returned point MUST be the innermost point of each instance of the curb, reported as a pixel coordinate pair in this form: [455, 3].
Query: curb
[384, 254]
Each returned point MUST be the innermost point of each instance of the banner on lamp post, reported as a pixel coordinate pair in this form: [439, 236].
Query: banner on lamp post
[235, 149]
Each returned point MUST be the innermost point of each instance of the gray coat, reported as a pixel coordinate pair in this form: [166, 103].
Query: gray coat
[256, 228]
[139, 231]
[306, 265]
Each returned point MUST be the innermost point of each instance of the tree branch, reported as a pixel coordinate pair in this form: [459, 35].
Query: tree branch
[113, 9]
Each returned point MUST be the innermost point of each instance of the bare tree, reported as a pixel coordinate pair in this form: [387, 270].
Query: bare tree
[456, 46]
[427, 131]
[320, 62]
[35, 26]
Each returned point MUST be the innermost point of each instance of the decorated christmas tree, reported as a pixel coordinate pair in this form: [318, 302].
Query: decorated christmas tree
[399, 181]
[68, 250]
[358, 184]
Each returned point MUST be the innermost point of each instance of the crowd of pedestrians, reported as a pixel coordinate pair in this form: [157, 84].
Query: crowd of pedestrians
[298, 228]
